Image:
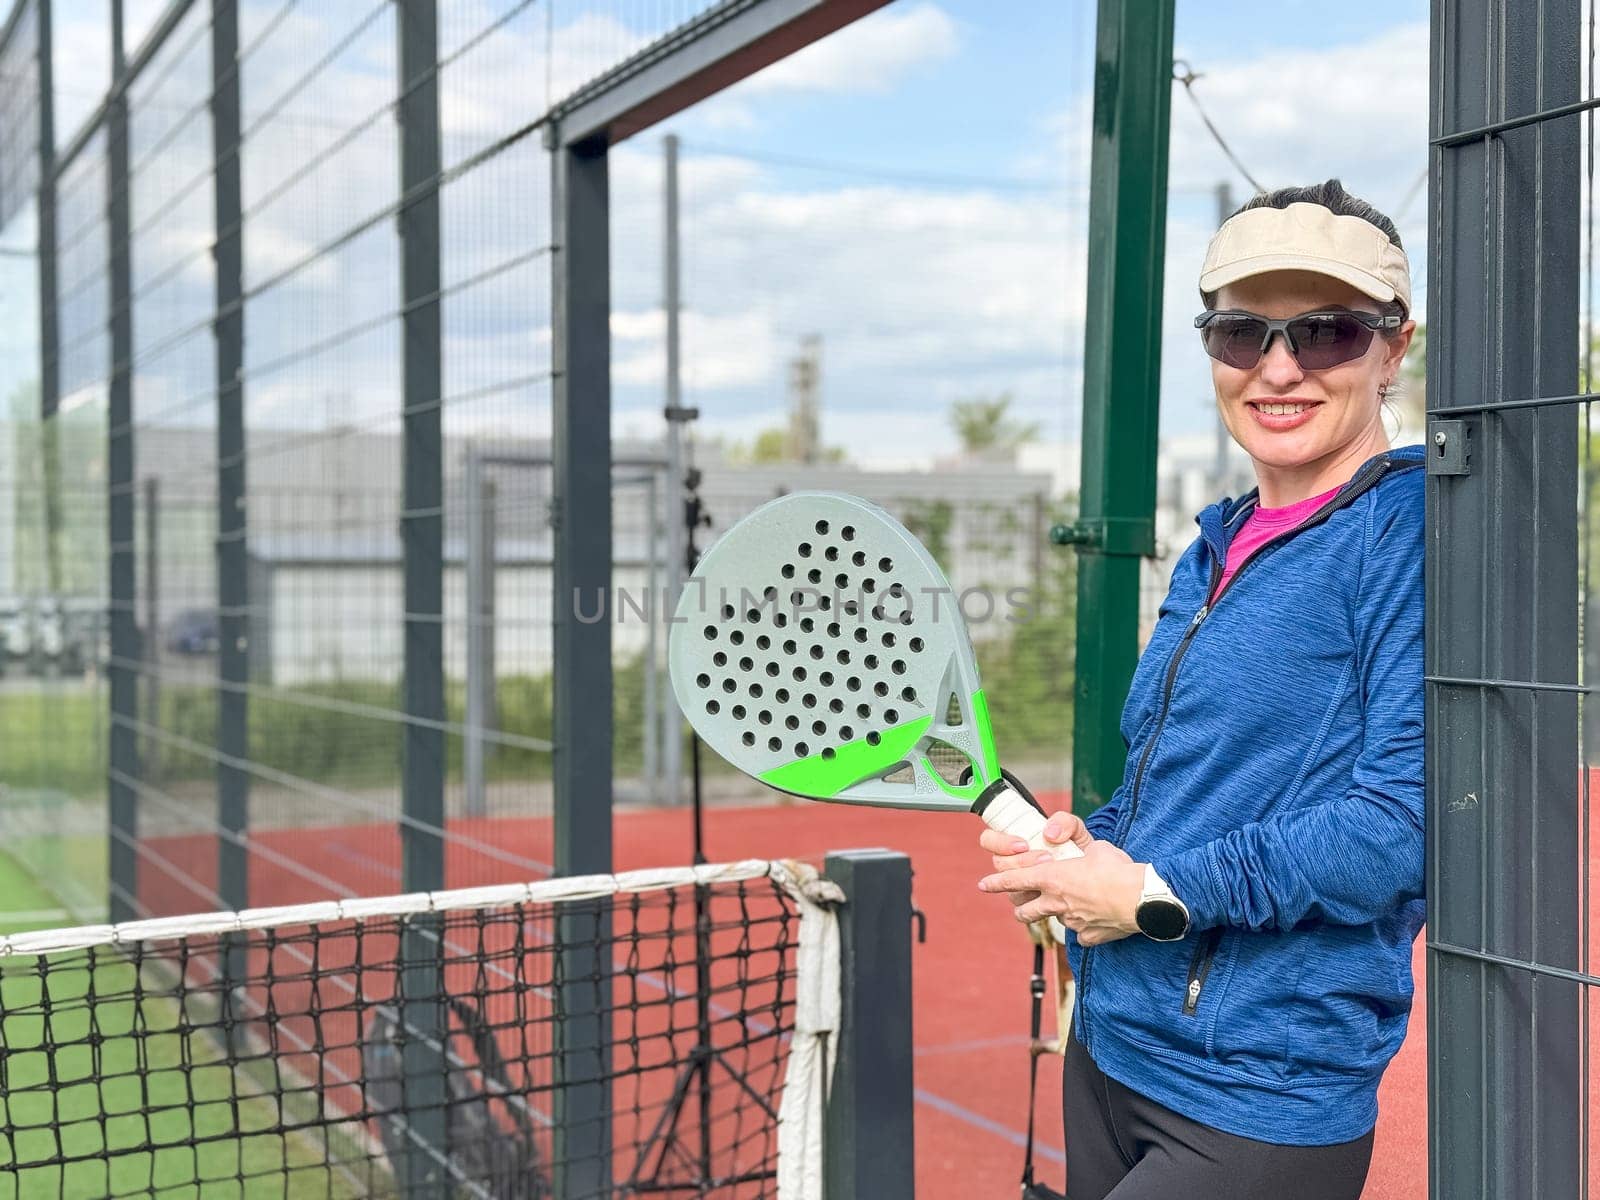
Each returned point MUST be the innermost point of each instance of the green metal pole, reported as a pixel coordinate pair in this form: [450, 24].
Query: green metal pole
[1121, 376]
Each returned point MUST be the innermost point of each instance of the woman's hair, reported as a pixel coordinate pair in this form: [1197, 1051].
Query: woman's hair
[1332, 196]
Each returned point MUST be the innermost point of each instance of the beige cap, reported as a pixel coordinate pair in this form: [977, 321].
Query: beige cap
[1307, 237]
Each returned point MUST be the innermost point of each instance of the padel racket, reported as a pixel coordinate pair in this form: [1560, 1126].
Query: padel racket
[819, 648]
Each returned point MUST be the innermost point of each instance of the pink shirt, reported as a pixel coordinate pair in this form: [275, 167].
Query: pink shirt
[1260, 527]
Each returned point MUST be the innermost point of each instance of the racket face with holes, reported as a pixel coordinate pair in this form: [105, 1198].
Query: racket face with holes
[819, 648]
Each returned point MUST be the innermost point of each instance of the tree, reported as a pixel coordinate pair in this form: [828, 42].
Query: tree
[1029, 674]
[772, 446]
[929, 521]
[984, 426]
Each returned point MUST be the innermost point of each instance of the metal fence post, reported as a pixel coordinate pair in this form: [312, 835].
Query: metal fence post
[233, 553]
[49, 328]
[476, 750]
[126, 651]
[1507, 845]
[655, 618]
[152, 625]
[677, 417]
[422, 513]
[581, 515]
[422, 548]
[870, 1139]
[1122, 377]
[232, 545]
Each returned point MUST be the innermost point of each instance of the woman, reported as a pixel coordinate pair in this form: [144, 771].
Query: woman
[1243, 913]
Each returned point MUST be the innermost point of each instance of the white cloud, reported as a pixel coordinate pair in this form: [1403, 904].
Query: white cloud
[82, 63]
[873, 56]
[1359, 111]
[1356, 111]
[923, 294]
[721, 350]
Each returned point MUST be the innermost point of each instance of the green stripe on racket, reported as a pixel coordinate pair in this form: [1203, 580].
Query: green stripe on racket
[819, 648]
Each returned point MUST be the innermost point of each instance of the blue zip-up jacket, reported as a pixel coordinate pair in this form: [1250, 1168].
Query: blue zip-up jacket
[1274, 780]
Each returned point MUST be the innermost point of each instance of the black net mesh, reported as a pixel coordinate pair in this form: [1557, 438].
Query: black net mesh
[634, 1044]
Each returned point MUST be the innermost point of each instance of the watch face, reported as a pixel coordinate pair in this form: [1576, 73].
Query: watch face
[1163, 920]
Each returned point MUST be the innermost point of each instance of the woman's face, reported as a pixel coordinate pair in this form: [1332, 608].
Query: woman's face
[1285, 417]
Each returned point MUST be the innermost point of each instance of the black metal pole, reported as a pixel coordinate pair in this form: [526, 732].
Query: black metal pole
[126, 653]
[695, 518]
[232, 547]
[151, 759]
[870, 1136]
[422, 1009]
[581, 515]
[233, 553]
[1507, 820]
[49, 313]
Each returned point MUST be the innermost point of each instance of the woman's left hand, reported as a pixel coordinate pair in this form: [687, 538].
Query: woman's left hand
[1094, 896]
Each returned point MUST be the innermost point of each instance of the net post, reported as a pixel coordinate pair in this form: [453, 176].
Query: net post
[870, 1143]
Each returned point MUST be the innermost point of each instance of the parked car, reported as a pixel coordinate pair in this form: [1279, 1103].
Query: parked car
[193, 631]
[49, 634]
[16, 638]
[84, 641]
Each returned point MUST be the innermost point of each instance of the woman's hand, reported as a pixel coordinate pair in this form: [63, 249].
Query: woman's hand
[1094, 896]
[1008, 852]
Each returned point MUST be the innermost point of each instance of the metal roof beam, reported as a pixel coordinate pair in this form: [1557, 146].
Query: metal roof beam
[729, 43]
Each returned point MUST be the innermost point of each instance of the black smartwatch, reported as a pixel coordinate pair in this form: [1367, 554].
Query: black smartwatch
[1161, 916]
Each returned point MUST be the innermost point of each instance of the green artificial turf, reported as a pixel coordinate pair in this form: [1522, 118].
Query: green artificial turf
[110, 1089]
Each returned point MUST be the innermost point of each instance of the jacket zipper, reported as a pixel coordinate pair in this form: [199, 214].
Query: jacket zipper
[1367, 481]
[1199, 968]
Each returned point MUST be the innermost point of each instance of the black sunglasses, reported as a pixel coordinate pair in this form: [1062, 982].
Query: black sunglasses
[1318, 340]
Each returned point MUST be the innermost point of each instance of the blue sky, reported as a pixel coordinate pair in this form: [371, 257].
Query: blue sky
[958, 130]
[985, 106]
[913, 189]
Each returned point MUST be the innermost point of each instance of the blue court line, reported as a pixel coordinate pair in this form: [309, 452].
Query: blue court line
[951, 1109]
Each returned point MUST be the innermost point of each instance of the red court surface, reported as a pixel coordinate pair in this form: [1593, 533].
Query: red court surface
[971, 998]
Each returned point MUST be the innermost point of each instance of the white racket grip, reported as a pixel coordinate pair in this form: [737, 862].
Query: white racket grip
[1007, 812]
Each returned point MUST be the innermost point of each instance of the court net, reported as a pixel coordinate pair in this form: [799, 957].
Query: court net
[593, 1036]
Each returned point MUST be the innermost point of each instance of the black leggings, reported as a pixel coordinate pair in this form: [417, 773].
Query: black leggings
[1121, 1146]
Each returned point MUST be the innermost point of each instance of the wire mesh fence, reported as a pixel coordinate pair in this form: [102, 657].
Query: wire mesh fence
[1512, 651]
[225, 553]
[289, 584]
